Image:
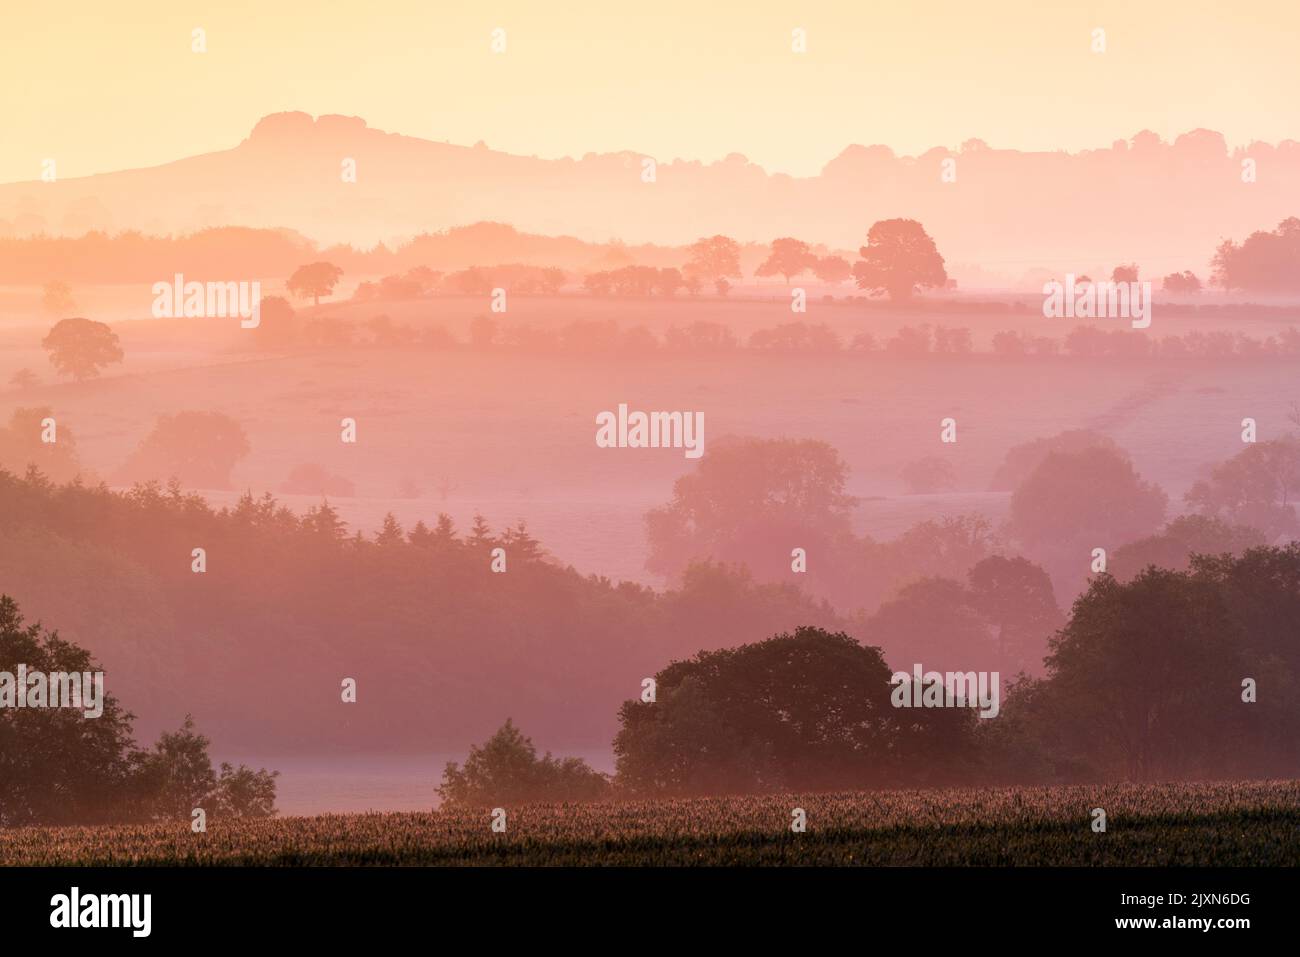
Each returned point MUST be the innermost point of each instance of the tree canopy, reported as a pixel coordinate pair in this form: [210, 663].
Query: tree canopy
[900, 258]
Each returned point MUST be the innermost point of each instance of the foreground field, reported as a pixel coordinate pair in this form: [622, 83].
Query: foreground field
[1223, 824]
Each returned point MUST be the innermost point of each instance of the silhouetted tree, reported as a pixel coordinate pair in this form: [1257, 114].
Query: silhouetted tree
[1015, 596]
[1254, 487]
[242, 792]
[1176, 543]
[391, 532]
[21, 445]
[198, 448]
[933, 622]
[1267, 262]
[56, 765]
[178, 772]
[277, 323]
[1022, 459]
[81, 347]
[315, 280]
[716, 259]
[551, 280]
[1184, 283]
[832, 269]
[1145, 677]
[1095, 493]
[899, 259]
[506, 771]
[789, 257]
[747, 491]
[807, 710]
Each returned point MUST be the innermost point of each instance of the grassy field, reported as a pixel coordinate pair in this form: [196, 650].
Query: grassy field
[1224, 824]
[512, 435]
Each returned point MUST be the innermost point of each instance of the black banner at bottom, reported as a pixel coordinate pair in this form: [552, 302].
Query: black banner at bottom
[962, 906]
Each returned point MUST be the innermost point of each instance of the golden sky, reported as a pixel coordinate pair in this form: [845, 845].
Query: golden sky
[102, 86]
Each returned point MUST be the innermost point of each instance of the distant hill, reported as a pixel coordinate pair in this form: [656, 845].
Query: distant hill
[1165, 206]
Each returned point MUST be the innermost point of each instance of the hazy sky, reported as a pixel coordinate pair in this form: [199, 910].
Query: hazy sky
[108, 86]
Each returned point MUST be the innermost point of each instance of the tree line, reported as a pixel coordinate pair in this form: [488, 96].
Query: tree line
[1174, 675]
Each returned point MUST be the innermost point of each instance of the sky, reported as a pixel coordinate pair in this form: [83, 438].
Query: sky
[99, 87]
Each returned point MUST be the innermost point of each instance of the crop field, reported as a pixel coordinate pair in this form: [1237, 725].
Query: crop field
[1223, 824]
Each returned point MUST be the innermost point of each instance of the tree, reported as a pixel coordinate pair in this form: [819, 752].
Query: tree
[1184, 283]
[56, 765]
[1254, 487]
[1015, 596]
[716, 259]
[911, 342]
[700, 336]
[198, 448]
[520, 545]
[1267, 262]
[789, 257]
[1144, 676]
[1261, 588]
[808, 710]
[505, 770]
[471, 282]
[899, 259]
[1094, 493]
[795, 337]
[1176, 544]
[391, 533]
[1125, 272]
[244, 793]
[176, 777]
[444, 532]
[746, 497]
[480, 537]
[426, 280]
[1008, 343]
[322, 522]
[277, 325]
[1022, 459]
[669, 280]
[598, 283]
[81, 347]
[552, 280]
[832, 269]
[179, 772]
[21, 446]
[933, 622]
[315, 280]
[952, 342]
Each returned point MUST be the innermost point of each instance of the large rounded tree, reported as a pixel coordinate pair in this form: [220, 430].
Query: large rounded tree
[81, 347]
[900, 258]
